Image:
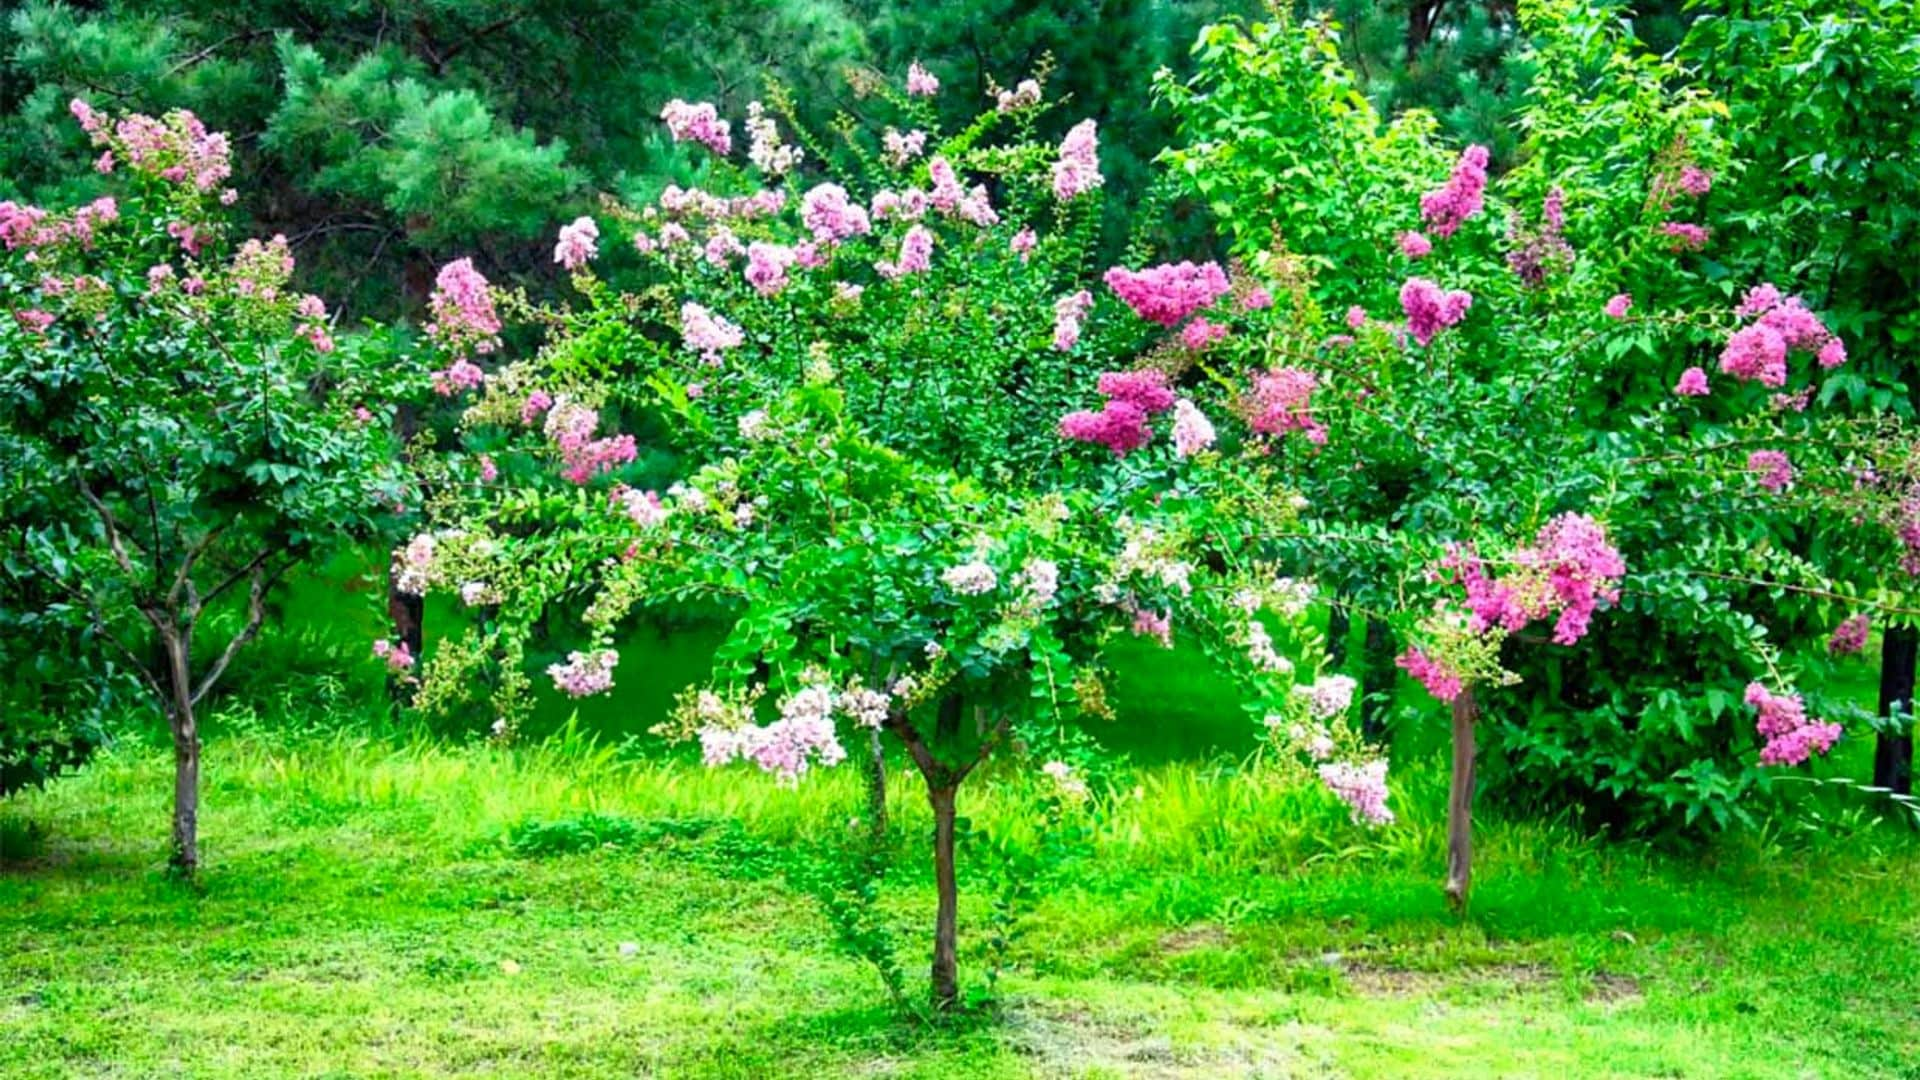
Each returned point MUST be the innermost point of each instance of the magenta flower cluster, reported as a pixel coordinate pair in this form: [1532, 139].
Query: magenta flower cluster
[1850, 636]
[1792, 737]
[1121, 425]
[1168, 293]
[1757, 352]
[1430, 308]
[1448, 207]
[1078, 169]
[1440, 680]
[1281, 401]
[461, 307]
[571, 427]
[700, 123]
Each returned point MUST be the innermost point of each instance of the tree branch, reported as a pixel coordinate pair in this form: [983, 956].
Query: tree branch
[260, 582]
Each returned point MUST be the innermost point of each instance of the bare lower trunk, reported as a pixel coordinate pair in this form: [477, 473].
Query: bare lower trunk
[1376, 679]
[946, 983]
[186, 755]
[1893, 754]
[876, 788]
[1460, 802]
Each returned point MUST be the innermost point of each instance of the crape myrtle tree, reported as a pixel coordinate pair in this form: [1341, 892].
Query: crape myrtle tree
[925, 470]
[1824, 104]
[179, 428]
[1582, 534]
[378, 137]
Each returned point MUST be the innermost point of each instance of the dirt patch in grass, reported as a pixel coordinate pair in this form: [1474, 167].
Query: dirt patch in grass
[1380, 980]
[1070, 1042]
[1189, 938]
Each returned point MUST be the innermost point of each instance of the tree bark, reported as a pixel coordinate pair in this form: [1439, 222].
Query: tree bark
[186, 754]
[946, 723]
[1460, 802]
[1339, 622]
[406, 612]
[1376, 679]
[946, 983]
[1893, 754]
[1422, 17]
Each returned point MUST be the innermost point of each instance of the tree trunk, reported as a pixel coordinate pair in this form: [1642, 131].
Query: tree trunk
[186, 754]
[1460, 803]
[1893, 754]
[1339, 622]
[1422, 17]
[1376, 679]
[407, 613]
[876, 788]
[946, 724]
[946, 983]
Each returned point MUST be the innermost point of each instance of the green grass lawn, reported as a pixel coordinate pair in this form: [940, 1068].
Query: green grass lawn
[366, 910]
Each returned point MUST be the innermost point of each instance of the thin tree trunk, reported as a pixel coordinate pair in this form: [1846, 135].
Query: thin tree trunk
[946, 983]
[1339, 623]
[1460, 802]
[1893, 754]
[1376, 679]
[186, 755]
[946, 724]
[876, 788]
[406, 612]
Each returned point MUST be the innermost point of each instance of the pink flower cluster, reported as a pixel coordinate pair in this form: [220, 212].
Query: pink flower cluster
[1415, 245]
[1168, 293]
[1068, 313]
[1448, 207]
[1440, 680]
[1685, 236]
[177, 148]
[1121, 425]
[1758, 351]
[1281, 401]
[1792, 737]
[1773, 468]
[1199, 334]
[1569, 569]
[1362, 787]
[708, 334]
[920, 81]
[458, 377]
[1693, 383]
[1618, 306]
[802, 737]
[1537, 253]
[767, 266]
[1078, 170]
[579, 244]
[462, 310]
[398, 659]
[699, 123]
[903, 148]
[693, 202]
[916, 255]
[643, 507]
[1850, 636]
[1430, 309]
[585, 673]
[1192, 431]
[571, 425]
[831, 216]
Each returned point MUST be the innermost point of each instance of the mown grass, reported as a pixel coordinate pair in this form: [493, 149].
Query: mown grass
[382, 907]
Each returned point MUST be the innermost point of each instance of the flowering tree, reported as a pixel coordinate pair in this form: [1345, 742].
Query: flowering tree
[1517, 400]
[925, 470]
[179, 426]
